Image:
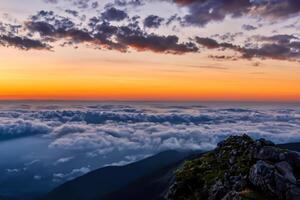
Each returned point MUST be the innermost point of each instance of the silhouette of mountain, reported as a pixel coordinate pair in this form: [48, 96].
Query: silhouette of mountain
[101, 182]
[148, 179]
[290, 146]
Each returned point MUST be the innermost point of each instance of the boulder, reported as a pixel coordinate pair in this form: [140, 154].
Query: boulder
[233, 195]
[286, 170]
[262, 176]
[269, 153]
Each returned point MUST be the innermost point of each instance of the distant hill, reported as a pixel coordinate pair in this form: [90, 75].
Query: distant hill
[151, 187]
[290, 146]
[101, 182]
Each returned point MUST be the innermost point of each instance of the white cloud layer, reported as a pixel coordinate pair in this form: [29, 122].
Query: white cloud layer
[102, 128]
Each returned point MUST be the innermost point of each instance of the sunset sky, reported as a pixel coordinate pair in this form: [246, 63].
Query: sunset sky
[150, 49]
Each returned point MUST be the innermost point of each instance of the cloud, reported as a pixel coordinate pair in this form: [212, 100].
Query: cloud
[99, 130]
[159, 44]
[205, 11]
[64, 160]
[12, 170]
[280, 39]
[57, 177]
[23, 43]
[153, 21]
[21, 128]
[74, 13]
[105, 35]
[51, 1]
[80, 4]
[118, 27]
[281, 47]
[128, 159]
[125, 3]
[32, 162]
[248, 27]
[37, 177]
[69, 129]
[113, 14]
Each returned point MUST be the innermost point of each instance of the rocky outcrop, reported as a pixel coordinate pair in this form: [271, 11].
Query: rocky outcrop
[240, 168]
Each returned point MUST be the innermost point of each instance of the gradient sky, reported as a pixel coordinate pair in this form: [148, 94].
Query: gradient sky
[150, 49]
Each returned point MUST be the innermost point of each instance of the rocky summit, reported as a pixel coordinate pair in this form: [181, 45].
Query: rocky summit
[240, 168]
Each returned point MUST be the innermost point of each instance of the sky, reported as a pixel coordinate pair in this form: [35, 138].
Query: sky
[150, 50]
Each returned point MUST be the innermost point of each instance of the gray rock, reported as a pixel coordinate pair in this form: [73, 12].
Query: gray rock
[286, 170]
[217, 191]
[294, 159]
[232, 195]
[278, 180]
[268, 153]
[293, 192]
[264, 142]
[273, 171]
[232, 160]
[262, 176]
[282, 156]
[280, 185]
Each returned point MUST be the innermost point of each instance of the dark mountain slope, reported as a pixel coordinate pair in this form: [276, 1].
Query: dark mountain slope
[290, 146]
[151, 187]
[100, 182]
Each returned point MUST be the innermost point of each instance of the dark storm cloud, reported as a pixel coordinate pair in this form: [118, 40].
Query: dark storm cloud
[153, 21]
[114, 14]
[204, 11]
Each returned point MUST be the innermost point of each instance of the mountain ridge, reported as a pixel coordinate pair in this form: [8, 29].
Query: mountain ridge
[156, 184]
[112, 178]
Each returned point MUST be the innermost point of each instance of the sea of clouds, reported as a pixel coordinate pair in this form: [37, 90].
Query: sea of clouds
[57, 141]
[103, 127]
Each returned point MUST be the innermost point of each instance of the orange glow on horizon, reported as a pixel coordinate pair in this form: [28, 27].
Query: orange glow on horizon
[88, 75]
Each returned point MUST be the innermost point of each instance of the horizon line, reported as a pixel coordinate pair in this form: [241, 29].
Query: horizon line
[152, 100]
